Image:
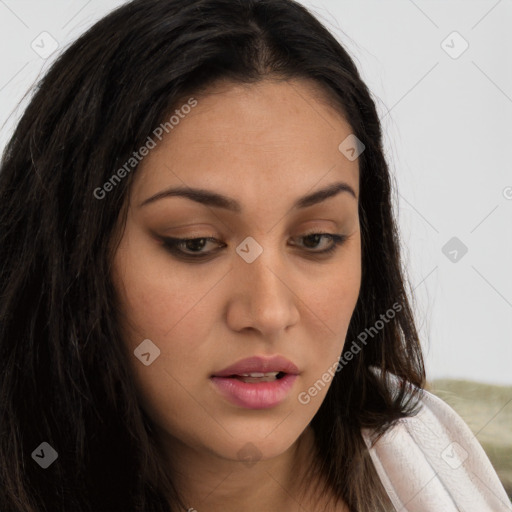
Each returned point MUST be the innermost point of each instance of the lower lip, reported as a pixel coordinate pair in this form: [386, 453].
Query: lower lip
[257, 395]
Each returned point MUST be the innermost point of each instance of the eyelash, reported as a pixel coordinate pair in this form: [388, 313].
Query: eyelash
[172, 245]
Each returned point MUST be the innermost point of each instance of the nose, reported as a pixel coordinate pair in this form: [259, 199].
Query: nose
[263, 298]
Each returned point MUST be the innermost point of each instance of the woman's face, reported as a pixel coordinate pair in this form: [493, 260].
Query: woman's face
[262, 288]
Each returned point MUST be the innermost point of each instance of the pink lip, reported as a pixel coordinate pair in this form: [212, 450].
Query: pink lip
[257, 395]
[259, 364]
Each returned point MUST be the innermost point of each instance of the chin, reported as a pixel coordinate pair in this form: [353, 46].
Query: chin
[252, 445]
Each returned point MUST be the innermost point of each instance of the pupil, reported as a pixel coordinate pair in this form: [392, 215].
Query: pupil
[315, 237]
[196, 242]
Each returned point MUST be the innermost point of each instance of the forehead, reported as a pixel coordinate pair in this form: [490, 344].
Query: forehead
[273, 137]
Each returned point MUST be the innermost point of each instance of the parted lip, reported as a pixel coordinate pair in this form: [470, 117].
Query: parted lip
[259, 364]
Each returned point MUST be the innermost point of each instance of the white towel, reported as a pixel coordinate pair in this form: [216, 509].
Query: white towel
[432, 462]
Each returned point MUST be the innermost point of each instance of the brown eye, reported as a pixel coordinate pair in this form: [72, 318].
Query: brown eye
[315, 238]
[194, 246]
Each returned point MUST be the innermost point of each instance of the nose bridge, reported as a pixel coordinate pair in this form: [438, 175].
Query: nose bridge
[263, 275]
[268, 302]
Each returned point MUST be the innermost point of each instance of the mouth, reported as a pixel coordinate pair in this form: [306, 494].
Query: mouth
[256, 382]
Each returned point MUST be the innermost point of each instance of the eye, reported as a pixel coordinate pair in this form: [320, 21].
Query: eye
[314, 239]
[192, 248]
[180, 246]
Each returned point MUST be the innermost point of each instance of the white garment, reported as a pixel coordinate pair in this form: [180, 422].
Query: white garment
[432, 462]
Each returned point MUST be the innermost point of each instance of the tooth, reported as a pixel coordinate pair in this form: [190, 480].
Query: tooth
[254, 377]
[259, 374]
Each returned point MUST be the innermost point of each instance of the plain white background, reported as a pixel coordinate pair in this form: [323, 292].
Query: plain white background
[446, 112]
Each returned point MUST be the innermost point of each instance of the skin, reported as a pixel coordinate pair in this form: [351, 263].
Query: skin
[265, 145]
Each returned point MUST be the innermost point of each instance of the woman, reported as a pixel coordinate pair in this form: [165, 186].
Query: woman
[203, 303]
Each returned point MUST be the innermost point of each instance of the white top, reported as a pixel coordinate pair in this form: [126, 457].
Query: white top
[432, 462]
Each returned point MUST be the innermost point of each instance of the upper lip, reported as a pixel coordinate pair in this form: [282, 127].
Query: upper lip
[259, 364]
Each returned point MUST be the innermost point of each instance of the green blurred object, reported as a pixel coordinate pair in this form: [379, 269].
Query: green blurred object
[487, 410]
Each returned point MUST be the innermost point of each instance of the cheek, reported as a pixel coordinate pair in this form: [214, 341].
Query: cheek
[169, 312]
[164, 302]
[158, 296]
[332, 295]
[331, 304]
[178, 322]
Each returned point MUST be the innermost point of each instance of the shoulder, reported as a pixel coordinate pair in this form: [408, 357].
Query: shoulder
[432, 461]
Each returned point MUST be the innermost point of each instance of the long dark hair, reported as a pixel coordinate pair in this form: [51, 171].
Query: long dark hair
[64, 375]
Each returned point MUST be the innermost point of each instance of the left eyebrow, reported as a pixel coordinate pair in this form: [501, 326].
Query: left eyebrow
[210, 198]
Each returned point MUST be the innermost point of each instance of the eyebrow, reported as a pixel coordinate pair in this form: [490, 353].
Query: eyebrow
[210, 198]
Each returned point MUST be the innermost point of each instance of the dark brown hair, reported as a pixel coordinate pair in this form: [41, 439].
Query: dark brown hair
[64, 378]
